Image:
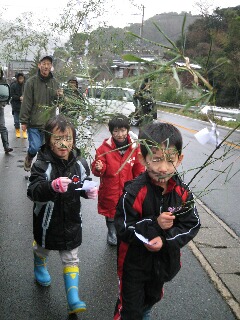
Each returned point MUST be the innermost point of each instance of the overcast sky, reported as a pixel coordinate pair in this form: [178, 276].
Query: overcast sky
[118, 12]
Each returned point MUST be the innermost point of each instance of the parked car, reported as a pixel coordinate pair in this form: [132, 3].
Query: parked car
[110, 100]
[4, 92]
[129, 91]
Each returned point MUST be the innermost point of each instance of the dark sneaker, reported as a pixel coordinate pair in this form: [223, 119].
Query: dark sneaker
[7, 150]
[27, 163]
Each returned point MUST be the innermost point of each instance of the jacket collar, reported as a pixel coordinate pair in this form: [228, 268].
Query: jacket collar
[171, 183]
[45, 79]
[110, 142]
[45, 154]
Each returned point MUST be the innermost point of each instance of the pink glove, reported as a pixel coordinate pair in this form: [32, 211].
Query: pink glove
[92, 193]
[61, 184]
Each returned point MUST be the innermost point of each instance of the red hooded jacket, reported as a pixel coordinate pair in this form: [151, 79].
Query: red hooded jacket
[117, 169]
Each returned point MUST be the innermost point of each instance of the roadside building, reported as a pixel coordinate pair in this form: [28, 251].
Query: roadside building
[15, 66]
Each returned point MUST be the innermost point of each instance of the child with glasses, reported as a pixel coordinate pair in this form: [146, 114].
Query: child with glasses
[116, 162]
[155, 217]
[55, 179]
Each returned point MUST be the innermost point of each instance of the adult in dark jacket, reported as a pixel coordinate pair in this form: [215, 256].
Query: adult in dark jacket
[57, 222]
[16, 92]
[144, 103]
[155, 217]
[3, 129]
[74, 105]
[40, 93]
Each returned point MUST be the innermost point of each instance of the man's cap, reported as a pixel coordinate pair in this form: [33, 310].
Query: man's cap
[45, 56]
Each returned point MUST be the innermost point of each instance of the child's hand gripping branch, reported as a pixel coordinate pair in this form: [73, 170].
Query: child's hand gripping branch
[165, 220]
[99, 165]
[61, 184]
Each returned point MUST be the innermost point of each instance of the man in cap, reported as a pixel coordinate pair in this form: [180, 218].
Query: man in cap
[38, 106]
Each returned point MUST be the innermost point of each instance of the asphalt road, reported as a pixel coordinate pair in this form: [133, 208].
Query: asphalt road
[218, 183]
[190, 296]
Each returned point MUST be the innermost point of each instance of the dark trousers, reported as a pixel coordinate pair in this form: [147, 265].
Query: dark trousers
[3, 129]
[16, 119]
[139, 288]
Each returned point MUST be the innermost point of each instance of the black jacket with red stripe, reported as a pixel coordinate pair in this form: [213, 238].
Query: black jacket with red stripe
[137, 212]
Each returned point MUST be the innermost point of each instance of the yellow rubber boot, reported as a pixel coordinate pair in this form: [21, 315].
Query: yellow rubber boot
[25, 135]
[18, 133]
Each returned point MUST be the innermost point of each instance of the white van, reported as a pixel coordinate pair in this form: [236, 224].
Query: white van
[110, 100]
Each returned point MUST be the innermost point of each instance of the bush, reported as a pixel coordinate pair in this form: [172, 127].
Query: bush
[170, 94]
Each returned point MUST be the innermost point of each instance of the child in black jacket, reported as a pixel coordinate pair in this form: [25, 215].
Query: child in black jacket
[155, 217]
[57, 222]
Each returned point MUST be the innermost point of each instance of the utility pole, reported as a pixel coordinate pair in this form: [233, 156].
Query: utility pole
[141, 29]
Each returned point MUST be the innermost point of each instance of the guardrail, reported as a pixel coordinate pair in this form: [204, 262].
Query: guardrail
[218, 111]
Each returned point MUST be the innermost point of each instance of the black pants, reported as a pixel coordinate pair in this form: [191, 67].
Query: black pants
[139, 288]
[3, 129]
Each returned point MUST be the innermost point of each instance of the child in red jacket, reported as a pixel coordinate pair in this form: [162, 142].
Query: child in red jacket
[116, 162]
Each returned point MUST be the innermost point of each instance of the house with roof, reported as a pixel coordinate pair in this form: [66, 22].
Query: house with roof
[124, 69]
[15, 66]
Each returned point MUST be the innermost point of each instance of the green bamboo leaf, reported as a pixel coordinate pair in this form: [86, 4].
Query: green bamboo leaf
[166, 37]
[219, 65]
[175, 76]
[209, 53]
[147, 146]
[202, 100]
[150, 41]
[183, 33]
[228, 177]
[205, 82]
[132, 58]
[134, 34]
[164, 68]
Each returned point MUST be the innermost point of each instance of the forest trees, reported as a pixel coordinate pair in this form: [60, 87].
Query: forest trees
[214, 42]
[25, 37]
[19, 39]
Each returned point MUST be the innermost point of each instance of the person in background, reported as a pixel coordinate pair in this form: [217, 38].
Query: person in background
[3, 129]
[155, 217]
[73, 100]
[144, 103]
[16, 92]
[41, 92]
[57, 221]
[74, 107]
[116, 162]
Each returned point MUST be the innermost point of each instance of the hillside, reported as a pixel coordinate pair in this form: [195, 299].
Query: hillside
[170, 23]
[114, 41]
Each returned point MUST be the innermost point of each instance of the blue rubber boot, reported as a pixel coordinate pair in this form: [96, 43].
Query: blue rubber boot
[71, 276]
[41, 273]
